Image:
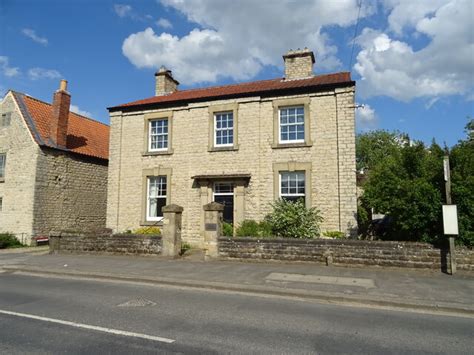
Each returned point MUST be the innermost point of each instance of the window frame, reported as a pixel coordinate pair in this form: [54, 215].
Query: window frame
[146, 174]
[148, 119]
[289, 103]
[217, 109]
[216, 129]
[289, 195]
[3, 166]
[293, 166]
[150, 134]
[291, 141]
[150, 218]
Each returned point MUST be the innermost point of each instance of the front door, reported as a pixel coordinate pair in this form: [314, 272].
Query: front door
[224, 194]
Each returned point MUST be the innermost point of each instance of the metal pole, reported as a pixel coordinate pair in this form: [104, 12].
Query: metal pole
[447, 179]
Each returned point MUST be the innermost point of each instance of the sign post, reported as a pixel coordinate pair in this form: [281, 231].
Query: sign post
[450, 216]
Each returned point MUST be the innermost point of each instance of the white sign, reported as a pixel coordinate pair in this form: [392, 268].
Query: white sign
[450, 219]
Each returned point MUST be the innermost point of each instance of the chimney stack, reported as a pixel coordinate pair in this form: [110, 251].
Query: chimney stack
[59, 122]
[165, 83]
[299, 64]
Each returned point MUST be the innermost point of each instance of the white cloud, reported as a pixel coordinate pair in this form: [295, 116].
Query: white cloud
[122, 10]
[235, 39]
[41, 73]
[76, 109]
[445, 66]
[162, 22]
[28, 32]
[365, 116]
[6, 69]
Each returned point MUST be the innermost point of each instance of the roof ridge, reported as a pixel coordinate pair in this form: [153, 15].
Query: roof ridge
[255, 82]
[47, 103]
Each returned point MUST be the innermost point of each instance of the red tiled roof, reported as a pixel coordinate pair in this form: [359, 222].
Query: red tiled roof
[254, 87]
[85, 136]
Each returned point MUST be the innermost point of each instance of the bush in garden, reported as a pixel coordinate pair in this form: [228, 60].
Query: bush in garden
[227, 229]
[148, 231]
[294, 220]
[8, 240]
[251, 228]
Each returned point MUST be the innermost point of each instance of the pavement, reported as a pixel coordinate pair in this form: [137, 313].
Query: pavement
[420, 291]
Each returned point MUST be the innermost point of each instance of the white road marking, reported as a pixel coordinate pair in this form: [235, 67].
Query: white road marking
[90, 327]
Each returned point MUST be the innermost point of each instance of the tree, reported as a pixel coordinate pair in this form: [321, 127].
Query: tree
[462, 180]
[405, 181]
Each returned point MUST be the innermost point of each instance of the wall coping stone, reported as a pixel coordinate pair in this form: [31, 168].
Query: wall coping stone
[335, 242]
[214, 206]
[172, 208]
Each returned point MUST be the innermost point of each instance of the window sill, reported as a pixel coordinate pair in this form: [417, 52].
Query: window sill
[291, 145]
[152, 223]
[160, 152]
[2, 179]
[223, 149]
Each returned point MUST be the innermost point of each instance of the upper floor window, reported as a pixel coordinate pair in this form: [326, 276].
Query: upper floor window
[292, 124]
[156, 199]
[158, 134]
[3, 160]
[1, 204]
[292, 185]
[224, 129]
[5, 119]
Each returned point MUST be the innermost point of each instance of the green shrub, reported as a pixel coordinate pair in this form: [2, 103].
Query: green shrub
[293, 220]
[251, 228]
[227, 229]
[334, 234]
[8, 240]
[184, 248]
[148, 231]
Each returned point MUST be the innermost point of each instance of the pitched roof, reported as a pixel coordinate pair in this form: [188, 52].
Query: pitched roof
[250, 88]
[85, 136]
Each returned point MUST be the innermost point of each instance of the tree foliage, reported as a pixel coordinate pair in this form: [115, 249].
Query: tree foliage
[405, 181]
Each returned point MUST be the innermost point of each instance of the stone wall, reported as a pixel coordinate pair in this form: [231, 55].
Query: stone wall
[345, 252]
[17, 188]
[71, 192]
[128, 244]
[331, 155]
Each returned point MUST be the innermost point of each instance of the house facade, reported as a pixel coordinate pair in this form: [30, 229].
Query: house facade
[242, 145]
[53, 167]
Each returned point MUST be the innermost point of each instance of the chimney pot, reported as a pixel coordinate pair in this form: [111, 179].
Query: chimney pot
[63, 85]
[299, 64]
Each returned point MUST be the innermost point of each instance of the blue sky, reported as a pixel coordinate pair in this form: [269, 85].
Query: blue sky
[413, 60]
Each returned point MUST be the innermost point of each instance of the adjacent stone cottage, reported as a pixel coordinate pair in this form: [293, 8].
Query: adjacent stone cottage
[242, 145]
[53, 167]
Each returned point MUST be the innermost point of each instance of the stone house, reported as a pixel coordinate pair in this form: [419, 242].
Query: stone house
[242, 145]
[53, 167]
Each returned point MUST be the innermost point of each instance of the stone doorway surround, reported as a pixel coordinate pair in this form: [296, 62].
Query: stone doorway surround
[205, 184]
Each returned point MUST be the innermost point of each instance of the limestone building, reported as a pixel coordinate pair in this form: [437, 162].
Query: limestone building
[242, 145]
[53, 167]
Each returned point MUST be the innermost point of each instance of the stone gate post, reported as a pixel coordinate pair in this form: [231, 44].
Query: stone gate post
[212, 228]
[171, 236]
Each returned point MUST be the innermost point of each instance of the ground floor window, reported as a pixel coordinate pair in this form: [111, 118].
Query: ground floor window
[224, 194]
[292, 185]
[156, 199]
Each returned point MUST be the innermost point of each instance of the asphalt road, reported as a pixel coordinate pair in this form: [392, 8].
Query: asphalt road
[199, 321]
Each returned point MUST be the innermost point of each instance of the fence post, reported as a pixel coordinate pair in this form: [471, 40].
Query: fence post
[212, 228]
[172, 216]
